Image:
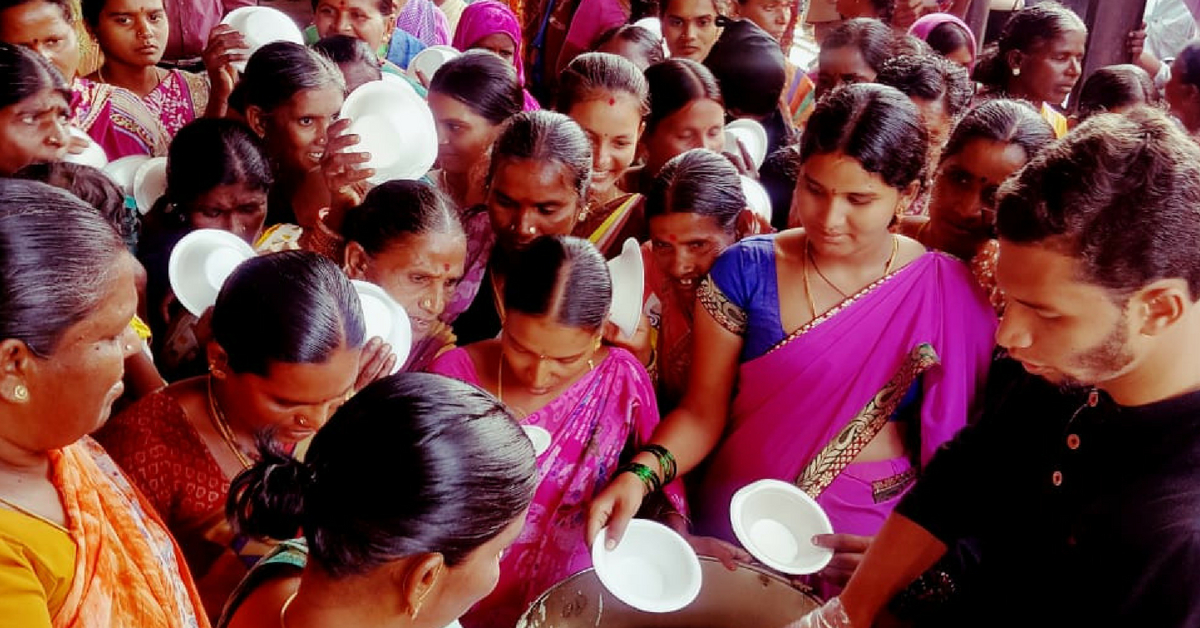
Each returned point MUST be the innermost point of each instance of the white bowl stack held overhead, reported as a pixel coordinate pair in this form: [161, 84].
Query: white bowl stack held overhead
[261, 26]
[395, 126]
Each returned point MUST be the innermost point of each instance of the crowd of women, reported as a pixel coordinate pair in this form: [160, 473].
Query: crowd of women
[261, 467]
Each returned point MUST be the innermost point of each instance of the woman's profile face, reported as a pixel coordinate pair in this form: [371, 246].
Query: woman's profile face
[463, 135]
[34, 130]
[472, 579]
[71, 392]
[420, 271]
[1050, 70]
[43, 27]
[292, 400]
[530, 198]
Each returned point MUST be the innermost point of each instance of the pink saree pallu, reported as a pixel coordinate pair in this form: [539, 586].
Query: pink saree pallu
[805, 409]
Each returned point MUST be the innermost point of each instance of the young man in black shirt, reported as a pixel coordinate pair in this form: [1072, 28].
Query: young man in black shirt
[1080, 485]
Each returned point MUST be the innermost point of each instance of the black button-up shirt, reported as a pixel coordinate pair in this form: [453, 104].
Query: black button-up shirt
[1085, 513]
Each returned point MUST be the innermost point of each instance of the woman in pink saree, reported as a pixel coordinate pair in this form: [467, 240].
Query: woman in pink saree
[890, 346]
[490, 25]
[593, 402]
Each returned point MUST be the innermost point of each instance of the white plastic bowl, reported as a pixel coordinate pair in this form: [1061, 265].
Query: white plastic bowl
[395, 126]
[775, 521]
[753, 137]
[653, 568]
[261, 26]
[122, 170]
[149, 182]
[429, 60]
[757, 198]
[386, 319]
[540, 438]
[628, 285]
[93, 155]
[201, 262]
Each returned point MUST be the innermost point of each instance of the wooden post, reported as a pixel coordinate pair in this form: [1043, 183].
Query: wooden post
[1107, 31]
[977, 15]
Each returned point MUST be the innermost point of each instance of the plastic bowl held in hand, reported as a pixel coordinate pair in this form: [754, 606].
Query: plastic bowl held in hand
[122, 171]
[652, 569]
[260, 26]
[93, 154]
[395, 126]
[752, 135]
[429, 60]
[201, 262]
[386, 319]
[757, 198]
[775, 521]
[628, 284]
[149, 183]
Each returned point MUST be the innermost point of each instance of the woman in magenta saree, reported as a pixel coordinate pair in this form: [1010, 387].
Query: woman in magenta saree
[593, 402]
[913, 346]
[837, 357]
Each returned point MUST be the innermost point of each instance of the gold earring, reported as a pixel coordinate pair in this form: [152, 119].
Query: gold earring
[21, 393]
[1016, 71]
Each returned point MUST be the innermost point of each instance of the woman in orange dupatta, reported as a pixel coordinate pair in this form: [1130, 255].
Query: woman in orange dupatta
[79, 547]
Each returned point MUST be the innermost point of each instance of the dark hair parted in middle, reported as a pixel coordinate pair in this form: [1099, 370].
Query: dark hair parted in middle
[647, 43]
[294, 307]
[594, 75]
[56, 255]
[457, 466]
[278, 71]
[482, 81]
[396, 209]
[546, 136]
[673, 84]
[930, 77]
[874, 124]
[1114, 87]
[24, 73]
[700, 182]
[210, 152]
[874, 40]
[1002, 120]
[1121, 194]
[563, 277]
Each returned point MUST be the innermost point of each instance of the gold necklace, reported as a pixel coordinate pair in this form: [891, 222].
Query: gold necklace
[808, 257]
[222, 427]
[283, 609]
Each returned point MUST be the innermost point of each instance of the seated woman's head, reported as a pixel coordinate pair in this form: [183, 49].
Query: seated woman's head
[459, 476]
[471, 97]
[371, 21]
[990, 144]
[406, 237]
[45, 26]
[287, 330]
[690, 27]
[608, 96]
[940, 88]
[862, 160]
[854, 52]
[1116, 89]
[354, 58]
[218, 177]
[538, 178]
[947, 36]
[686, 112]
[1038, 56]
[693, 210]
[639, 45]
[67, 297]
[555, 308]
[289, 96]
[750, 69]
[34, 109]
[130, 33]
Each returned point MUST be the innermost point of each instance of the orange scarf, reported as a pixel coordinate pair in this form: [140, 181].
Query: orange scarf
[128, 570]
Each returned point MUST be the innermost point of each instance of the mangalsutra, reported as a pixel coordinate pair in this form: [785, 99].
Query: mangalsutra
[810, 260]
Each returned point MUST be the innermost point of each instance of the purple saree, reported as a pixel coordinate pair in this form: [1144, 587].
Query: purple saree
[926, 325]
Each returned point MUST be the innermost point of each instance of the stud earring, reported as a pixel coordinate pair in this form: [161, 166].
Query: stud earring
[1016, 71]
[21, 393]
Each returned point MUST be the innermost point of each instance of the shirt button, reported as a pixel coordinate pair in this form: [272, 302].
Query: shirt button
[1056, 478]
[1072, 441]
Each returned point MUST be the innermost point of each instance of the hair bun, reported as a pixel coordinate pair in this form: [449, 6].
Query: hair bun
[267, 499]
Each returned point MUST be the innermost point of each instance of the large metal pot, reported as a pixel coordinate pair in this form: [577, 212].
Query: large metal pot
[749, 596]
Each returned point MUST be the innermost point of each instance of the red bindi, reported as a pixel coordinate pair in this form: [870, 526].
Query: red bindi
[671, 237]
[612, 101]
[446, 267]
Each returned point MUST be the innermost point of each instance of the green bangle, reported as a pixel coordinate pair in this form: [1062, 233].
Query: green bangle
[666, 462]
[644, 473]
